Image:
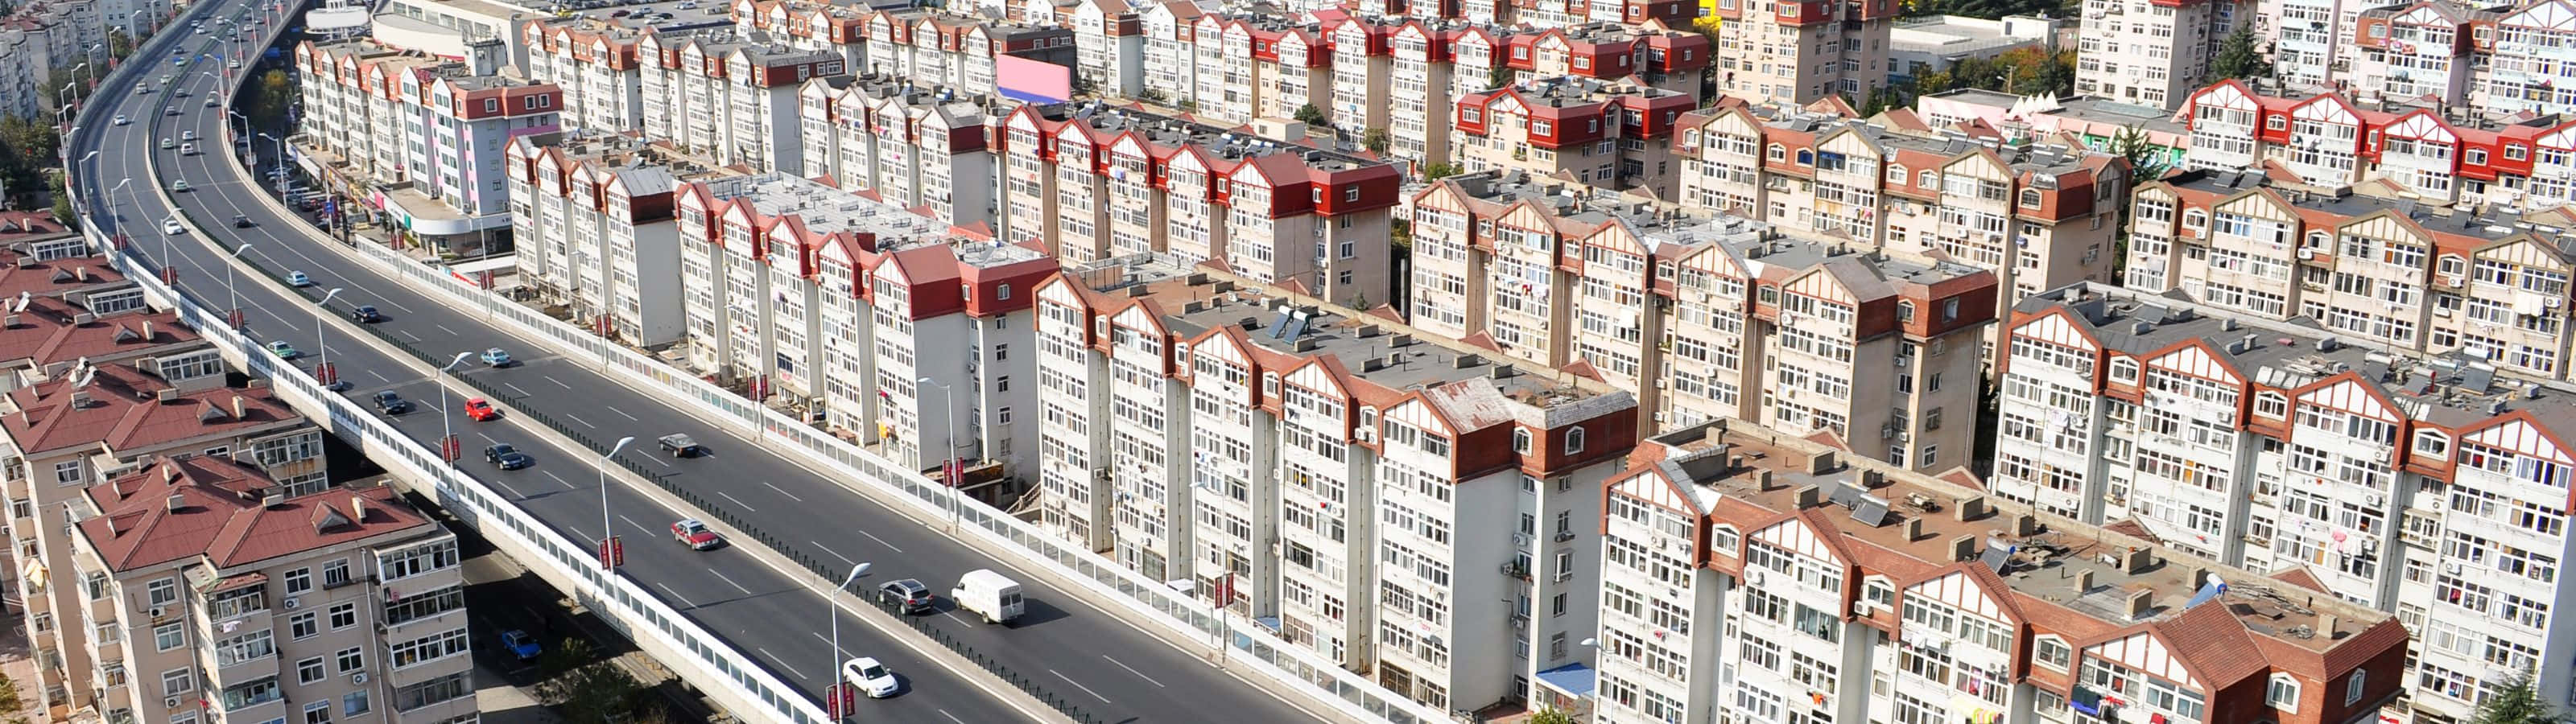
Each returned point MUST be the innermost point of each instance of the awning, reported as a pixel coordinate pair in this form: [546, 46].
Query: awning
[1574, 680]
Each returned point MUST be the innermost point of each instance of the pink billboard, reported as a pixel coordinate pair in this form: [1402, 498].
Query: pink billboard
[1031, 81]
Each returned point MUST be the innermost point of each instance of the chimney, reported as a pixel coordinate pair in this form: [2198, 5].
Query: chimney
[1762, 479]
[9, 322]
[147, 330]
[80, 398]
[2326, 625]
[1963, 548]
[2025, 525]
[1871, 479]
[2083, 581]
[165, 394]
[358, 510]
[273, 500]
[1808, 496]
[1913, 529]
[176, 502]
[1820, 463]
[1968, 508]
[169, 473]
[2138, 602]
[260, 383]
[237, 407]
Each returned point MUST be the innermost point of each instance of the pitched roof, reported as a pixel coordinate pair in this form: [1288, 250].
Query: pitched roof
[179, 508]
[120, 408]
[46, 332]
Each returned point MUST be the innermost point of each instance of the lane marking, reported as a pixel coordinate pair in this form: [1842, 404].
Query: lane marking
[559, 479]
[515, 388]
[729, 582]
[613, 408]
[1132, 670]
[951, 717]
[783, 491]
[380, 377]
[952, 616]
[648, 530]
[780, 660]
[558, 383]
[880, 541]
[506, 486]
[394, 304]
[407, 334]
[1078, 685]
[450, 332]
[584, 423]
[666, 588]
[654, 458]
[738, 501]
[835, 554]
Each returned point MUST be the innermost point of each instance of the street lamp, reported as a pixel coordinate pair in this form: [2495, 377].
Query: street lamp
[235, 297]
[1593, 705]
[245, 122]
[447, 429]
[832, 610]
[605, 533]
[281, 162]
[320, 346]
[947, 476]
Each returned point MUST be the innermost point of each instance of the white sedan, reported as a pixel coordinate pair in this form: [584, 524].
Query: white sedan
[866, 675]
[171, 226]
[122, 120]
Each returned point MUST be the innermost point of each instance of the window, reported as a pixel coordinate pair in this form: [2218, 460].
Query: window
[2051, 652]
[1521, 440]
[355, 703]
[178, 681]
[2283, 694]
[1574, 441]
[344, 615]
[2353, 686]
[302, 626]
[1002, 291]
[310, 670]
[162, 592]
[169, 636]
[317, 713]
[351, 659]
[299, 580]
[335, 573]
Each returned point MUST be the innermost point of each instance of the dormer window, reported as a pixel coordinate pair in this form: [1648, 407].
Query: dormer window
[2282, 693]
[1574, 441]
[1521, 440]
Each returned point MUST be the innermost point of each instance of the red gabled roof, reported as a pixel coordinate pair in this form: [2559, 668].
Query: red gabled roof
[182, 508]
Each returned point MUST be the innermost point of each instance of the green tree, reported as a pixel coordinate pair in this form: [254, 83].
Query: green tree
[568, 654]
[119, 44]
[1551, 715]
[2516, 703]
[1311, 116]
[1374, 140]
[268, 99]
[70, 220]
[1437, 171]
[1502, 76]
[2146, 161]
[2238, 58]
[591, 693]
[1154, 96]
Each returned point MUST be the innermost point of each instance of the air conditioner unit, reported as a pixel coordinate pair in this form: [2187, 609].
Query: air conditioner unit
[292, 602]
[170, 702]
[2452, 568]
[358, 678]
[1520, 539]
[159, 612]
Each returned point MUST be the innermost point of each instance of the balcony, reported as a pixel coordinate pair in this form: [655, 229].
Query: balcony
[1517, 569]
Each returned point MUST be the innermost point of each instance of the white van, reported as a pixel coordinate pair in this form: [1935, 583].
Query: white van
[988, 594]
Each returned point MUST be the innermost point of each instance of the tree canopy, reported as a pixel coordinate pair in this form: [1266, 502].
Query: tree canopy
[2516, 703]
[2238, 58]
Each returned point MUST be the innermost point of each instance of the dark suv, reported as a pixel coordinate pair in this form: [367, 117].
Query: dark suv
[389, 403]
[908, 595]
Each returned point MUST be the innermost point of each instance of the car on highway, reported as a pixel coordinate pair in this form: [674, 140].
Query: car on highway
[170, 111]
[234, 64]
[187, 149]
[167, 144]
[868, 676]
[496, 357]
[284, 350]
[480, 410]
[391, 403]
[694, 534]
[298, 279]
[366, 314]
[211, 102]
[122, 120]
[179, 186]
[680, 446]
[173, 228]
[907, 595]
[181, 62]
[241, 221]
[506, 457]
[521, 645]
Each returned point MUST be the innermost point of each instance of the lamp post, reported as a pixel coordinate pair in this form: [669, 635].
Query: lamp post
[281, 163]
[1592, 699]
[235, 304]
[947, 475]
[321, 347]
[245, 124]
[111, 200]
[446, 428]
[832, 610]
[605, 533]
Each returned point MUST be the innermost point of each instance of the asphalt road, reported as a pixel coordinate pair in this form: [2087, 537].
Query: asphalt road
[1113, 671]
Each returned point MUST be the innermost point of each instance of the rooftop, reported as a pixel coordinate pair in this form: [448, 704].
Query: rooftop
[129, 411]
[2080, 581]
[1950, 35]
[183, 508]
[21, 273]
[1232, 143]
[45, 331]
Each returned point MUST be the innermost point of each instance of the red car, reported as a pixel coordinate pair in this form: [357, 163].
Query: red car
[480, 410]
[695, 535]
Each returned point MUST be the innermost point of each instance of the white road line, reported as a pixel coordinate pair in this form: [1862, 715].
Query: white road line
[835, 554]
[880, 541]
[952, 616]
[559, 478]
[558, 383]
[450, 332]
[648, 530]
[729, 581]
[1078, 685]
[486, 438]
[666, 588]
[782, 663]
[394, 304]
[951, 717]
[613, 408]
[515, 388]
[407, 334]
[783, 491]
[738, 501]
[1132, 670]
[584, 423]
[506, 486]
[654, 458]
[380, 377]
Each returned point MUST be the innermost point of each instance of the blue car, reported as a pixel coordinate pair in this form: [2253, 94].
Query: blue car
[181, 62]
[521, 644]
[496, 357]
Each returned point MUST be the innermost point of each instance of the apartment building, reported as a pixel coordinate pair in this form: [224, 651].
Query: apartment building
[2335, 142]
[1647, 54]
[219, 592]
[1615, 135]
[1756, 576]
[2153, 52]
[2526, 64]
[93, 422]
[405, 120]
[1170, 48]
[594, 61]
[855, 311]
[2037, 215]
[1253, 67]
[1311, 467]
[595, 222]
[41, 257]
[1805, 51]
[2088, 121]
[2397, 275]
[916, 147]
[1363, 73]
[836, 26]
[2421, 51]
[2423, 485]
[22, 91]
[2312, 41]
[1707, 317]
[958, 51]
[1108, 40]
[731, 95]
[1095, 182]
